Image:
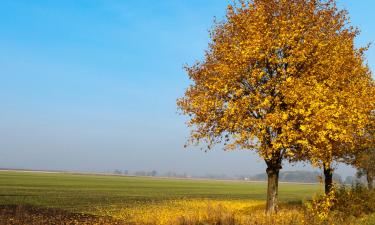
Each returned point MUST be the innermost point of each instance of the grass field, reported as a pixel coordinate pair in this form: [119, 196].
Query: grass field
[49, 198]
[85, 193]
[138, 198]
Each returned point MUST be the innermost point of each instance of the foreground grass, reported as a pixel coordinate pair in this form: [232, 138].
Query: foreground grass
[195, 211]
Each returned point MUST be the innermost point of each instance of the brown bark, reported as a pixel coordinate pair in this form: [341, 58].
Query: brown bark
[273, 188]
[370, 181]
[328, 179]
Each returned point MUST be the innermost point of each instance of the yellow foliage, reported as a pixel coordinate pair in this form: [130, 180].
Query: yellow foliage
[201, 211]
[171, 212]
[321, 206]
[278, 72]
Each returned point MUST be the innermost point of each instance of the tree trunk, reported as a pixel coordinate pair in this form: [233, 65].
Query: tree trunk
[370, 181]
[328, 179]
[273, 188]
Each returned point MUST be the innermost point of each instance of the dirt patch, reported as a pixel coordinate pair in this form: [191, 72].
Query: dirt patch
[31, 215]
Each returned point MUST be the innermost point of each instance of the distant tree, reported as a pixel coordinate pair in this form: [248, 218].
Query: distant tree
[117, 172]
[350, 180]
[171, 174]
[153, 173]
[140, 173]
[267, 61]
[298, 176]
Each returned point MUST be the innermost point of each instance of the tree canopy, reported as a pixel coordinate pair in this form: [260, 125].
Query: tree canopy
[281, 77]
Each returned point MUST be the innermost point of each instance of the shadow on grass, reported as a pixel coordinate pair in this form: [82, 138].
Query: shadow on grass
[31, 215]
[15, 195]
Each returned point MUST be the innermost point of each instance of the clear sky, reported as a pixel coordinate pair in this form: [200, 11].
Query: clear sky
[91, 85]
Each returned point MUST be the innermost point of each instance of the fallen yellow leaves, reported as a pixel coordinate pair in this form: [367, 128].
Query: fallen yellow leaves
[203, 211]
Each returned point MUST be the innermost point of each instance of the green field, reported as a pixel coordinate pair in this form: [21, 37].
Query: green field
[138, 199]
[85, 193]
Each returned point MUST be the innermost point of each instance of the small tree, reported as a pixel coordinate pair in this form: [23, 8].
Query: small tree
[364, 159]
[366, 167]
[248, 92]
[334, 101]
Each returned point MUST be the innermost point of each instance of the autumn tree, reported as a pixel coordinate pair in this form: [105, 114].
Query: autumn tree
[365, 163]
[249, 90]
[364, 158]
[335, 102]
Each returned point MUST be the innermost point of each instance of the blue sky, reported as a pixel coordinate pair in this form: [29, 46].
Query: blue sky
[91, 85]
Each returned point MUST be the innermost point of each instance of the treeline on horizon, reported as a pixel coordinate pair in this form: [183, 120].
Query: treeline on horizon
[300, 176]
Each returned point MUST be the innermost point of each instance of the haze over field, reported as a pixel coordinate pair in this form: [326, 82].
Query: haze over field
[92, 85]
